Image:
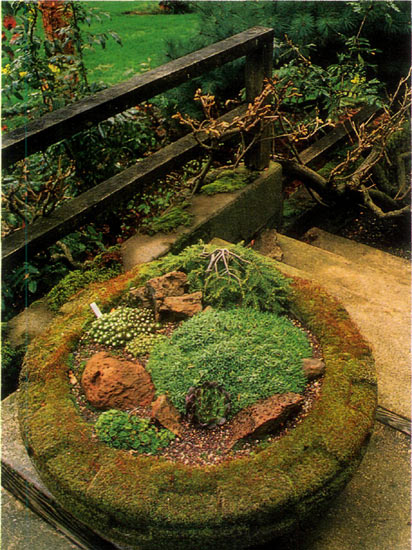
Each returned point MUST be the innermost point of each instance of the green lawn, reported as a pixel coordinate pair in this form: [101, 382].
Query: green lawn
[143, 33]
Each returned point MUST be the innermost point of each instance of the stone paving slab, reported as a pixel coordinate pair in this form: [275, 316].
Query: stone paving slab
[373, 511]
[22, 529]
[359, 253]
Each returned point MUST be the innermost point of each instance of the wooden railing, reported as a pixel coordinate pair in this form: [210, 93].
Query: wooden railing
[256, 44]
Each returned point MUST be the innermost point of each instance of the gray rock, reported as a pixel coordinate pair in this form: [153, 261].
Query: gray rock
[313, 368]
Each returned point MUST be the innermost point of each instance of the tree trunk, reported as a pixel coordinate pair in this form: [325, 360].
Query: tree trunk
[57, 15]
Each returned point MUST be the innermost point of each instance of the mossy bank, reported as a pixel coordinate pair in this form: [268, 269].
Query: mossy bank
[149, 503]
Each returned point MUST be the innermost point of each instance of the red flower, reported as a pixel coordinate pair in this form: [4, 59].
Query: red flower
[4, 128]
[14, 37]
[9, 22]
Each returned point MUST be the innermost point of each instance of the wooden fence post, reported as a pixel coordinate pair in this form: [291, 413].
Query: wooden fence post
[259, 64]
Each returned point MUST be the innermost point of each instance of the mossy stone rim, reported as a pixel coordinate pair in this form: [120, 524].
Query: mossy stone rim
[147, 502]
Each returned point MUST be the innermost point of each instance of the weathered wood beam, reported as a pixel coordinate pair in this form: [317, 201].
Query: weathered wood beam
[70, 120]
[24, 243]
[258, 66]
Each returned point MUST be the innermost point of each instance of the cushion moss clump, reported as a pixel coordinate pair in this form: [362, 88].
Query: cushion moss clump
[167, 222]
[227, 180]
[251, 354]
[121, 430]
[147, 502]
[252, 281]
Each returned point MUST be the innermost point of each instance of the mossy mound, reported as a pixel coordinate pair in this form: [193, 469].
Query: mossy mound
[147, 502]
[251, 354]
[227, 180]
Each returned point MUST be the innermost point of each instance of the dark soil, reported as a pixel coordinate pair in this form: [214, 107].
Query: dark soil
[392, 235]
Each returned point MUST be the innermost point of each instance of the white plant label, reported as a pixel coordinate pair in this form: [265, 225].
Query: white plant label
[96, 309]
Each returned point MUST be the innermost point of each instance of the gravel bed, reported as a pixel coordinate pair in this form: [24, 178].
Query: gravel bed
[197, 446]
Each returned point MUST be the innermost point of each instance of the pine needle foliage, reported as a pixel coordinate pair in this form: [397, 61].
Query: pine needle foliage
[251, 280]
[327, 25]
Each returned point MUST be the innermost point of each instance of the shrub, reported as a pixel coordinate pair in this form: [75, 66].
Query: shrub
[250, 282]
[121, 326]
[11, 361]
[251, 354]
[122, 431]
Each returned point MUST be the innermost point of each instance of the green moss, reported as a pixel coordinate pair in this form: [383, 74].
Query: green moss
[75, 281]
[227, 180]
[147, 502]
[169, 221]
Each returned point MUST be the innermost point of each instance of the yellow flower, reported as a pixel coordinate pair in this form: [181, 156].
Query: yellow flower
[355, 80]
[6, 69]
[54, 68]
[22, 74]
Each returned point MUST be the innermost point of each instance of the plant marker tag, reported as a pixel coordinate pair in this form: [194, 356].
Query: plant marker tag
[95, 309]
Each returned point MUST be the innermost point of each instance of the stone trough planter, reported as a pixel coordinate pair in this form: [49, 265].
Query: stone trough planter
[145, 503]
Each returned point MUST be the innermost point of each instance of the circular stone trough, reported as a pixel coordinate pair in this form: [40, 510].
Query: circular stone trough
[143, 502]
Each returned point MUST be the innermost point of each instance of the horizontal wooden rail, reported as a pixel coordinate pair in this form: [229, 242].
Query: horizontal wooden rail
[333, 137]
[46, 231]
[70, 120]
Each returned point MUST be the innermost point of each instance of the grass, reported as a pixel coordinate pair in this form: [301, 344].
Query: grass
[143, 31]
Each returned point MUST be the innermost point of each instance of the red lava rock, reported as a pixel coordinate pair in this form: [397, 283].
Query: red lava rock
[171, 284]
[263, 417]
[160, 288]
[313, 368]
[167, 415]
[140, 297]
[181, 307]
[113, 383]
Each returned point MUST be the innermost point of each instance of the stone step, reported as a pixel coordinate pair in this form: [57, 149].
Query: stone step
[368, 282]
[378, 302]
[359, 253]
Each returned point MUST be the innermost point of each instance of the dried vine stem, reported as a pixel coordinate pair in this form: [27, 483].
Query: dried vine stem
[225, 256]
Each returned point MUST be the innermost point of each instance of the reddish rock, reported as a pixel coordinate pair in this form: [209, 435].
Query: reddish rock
[263, 417]
[160, 288]
[181, 307]
[167, 415]
[171, 284]
[313, 368]
[139, 297]
[113, 383]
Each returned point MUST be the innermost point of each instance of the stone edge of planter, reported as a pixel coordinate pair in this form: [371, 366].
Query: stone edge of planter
[144, 502]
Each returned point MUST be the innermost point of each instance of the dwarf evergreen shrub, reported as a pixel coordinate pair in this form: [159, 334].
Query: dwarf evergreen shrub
[252, 280]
